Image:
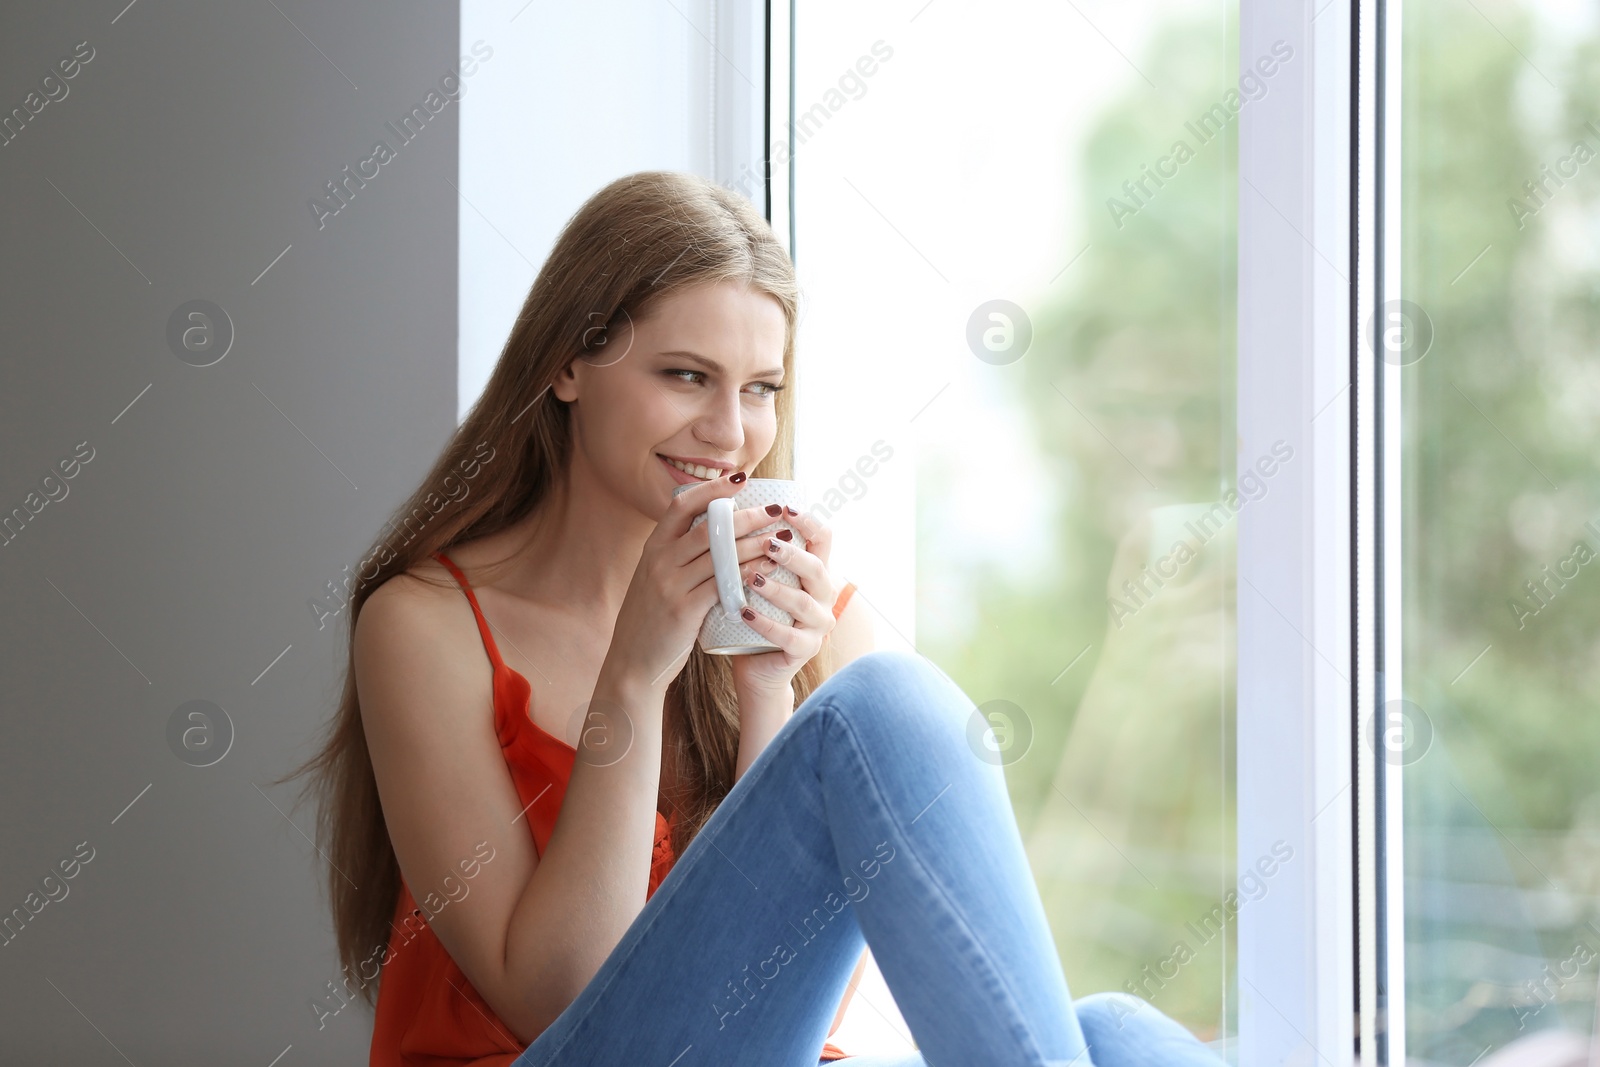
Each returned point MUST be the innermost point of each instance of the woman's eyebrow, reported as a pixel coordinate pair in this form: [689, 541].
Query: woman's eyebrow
[713, 365]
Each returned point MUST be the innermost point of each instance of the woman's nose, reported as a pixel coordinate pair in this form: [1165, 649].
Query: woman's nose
[721, 424]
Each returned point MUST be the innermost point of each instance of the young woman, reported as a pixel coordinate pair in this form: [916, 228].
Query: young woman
[543, 590]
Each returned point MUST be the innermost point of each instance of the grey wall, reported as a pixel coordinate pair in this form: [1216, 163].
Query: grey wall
[178, 562]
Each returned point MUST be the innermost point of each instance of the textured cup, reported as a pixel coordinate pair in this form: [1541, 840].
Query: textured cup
[724, 634]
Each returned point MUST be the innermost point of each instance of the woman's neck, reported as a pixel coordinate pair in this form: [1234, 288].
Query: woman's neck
[575, 553]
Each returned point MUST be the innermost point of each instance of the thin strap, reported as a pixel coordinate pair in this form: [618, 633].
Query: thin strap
[483, 624]
[843, 598]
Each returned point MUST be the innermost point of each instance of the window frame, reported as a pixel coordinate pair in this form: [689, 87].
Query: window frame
[1300, 638]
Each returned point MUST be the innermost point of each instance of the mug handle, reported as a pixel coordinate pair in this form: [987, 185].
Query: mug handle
[725, 555]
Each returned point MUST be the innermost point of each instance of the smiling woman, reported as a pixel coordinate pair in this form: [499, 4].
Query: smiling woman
[626, 375]
[682, 384]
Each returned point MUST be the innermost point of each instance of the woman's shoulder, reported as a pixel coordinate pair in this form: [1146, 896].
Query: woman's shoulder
[438, 579]
[419, 669]
[852, 636]
[418, 593]
[416, 614]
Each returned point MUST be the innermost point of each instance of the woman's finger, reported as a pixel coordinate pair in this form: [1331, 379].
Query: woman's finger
[754, 546]
[812, 572]
[676, 525]
[794, 643]
[804, 608]
[817, 535]
[750, 520]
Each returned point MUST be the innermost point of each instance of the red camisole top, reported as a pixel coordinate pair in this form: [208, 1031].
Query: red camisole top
[428, 1014]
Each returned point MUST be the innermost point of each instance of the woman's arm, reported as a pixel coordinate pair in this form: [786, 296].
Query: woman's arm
[528, 932]
[761, 716]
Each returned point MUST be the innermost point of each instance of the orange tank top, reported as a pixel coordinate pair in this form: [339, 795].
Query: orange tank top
[427, 1011]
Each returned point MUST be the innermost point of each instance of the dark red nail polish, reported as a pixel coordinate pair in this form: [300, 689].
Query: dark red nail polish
[758, 580]
[737, 478]
[784, 535]
[748, 614]
[790, 510]
[774, 509]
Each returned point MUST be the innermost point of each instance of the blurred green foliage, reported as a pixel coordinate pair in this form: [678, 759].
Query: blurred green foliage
[1499, 473]
[1125, 796]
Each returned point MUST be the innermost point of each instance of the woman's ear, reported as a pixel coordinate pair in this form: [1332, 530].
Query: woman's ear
[565, 385]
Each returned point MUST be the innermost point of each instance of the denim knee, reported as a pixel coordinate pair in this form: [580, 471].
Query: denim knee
[1104, 1012]
[901, 688]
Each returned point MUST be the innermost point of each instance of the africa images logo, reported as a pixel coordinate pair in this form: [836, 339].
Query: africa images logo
[342, 191]
[1138, 192]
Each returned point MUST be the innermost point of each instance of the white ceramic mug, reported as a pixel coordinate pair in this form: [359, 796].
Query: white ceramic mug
[724, 632]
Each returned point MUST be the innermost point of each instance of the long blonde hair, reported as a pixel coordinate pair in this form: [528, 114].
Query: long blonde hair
[635, 241]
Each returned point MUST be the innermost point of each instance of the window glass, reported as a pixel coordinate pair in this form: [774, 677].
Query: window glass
[1497, 342]
[1015, 229]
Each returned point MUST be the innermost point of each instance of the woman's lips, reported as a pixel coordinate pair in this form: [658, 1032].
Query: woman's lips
[679, 476]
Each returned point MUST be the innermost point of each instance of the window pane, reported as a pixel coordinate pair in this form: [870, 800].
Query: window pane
[1015, 228]
[1501, 517]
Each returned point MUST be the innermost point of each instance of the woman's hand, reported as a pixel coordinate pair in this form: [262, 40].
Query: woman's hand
[811, 606]
[674, 586]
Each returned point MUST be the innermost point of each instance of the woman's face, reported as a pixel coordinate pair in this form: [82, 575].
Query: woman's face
[692, 381]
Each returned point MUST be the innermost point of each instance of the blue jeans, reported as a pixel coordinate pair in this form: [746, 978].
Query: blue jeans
[869, 815]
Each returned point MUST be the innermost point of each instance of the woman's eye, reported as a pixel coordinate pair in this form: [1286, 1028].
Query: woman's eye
[694, 375]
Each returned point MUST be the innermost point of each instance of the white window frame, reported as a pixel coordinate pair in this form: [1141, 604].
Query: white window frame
[1322, 957]
[1295, 633]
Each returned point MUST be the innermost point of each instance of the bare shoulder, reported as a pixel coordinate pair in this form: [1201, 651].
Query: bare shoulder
[852, 635]
[413, 600]
[426, 587]
[415, 632]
